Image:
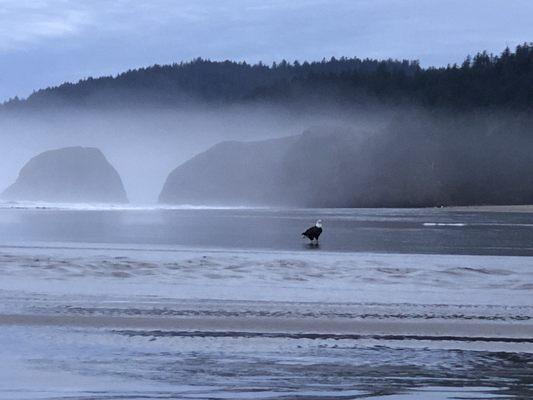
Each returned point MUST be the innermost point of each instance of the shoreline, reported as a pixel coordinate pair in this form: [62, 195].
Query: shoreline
[50, 206]
[521, 208]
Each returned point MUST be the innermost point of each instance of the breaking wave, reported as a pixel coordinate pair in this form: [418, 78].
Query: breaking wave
[28, 205]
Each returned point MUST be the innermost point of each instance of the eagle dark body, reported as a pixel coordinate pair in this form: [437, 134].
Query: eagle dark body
[313, 233]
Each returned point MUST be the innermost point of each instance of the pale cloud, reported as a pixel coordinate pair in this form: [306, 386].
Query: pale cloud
[26, 22]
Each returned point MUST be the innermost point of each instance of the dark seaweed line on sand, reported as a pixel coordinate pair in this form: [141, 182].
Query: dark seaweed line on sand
[281, 335]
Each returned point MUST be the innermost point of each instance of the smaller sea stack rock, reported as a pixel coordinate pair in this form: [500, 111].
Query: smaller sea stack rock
[70, 174]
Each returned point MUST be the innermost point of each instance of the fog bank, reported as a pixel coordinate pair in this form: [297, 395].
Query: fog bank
[374, 156]
[145, 145]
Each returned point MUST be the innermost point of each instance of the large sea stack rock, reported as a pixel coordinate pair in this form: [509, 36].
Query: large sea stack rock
[71, 174]
[229, 173]
[324, 166]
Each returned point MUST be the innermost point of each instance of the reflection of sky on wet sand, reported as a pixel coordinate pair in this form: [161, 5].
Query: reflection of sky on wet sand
[105, 364]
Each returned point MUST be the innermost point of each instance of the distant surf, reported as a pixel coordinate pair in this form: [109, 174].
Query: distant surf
[32, 205]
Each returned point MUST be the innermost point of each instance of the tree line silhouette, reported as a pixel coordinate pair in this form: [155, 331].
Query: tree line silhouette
[482, 81]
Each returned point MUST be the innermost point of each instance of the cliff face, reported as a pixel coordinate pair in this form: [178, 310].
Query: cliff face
[410, 164]
[336, 167]
[71, 174]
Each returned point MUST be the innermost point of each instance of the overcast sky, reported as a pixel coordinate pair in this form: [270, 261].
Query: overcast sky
[46, 42]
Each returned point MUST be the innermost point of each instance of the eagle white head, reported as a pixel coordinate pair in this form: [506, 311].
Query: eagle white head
[318, 223]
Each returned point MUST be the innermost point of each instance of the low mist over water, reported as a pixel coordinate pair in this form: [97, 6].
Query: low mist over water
[373, 157]
[145, 145]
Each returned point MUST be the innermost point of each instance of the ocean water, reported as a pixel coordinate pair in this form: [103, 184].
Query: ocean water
[114, 302]
[438, 231]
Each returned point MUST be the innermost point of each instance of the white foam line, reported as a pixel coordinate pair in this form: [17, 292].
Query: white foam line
[443, 224]
[461, 224]
[113, 207]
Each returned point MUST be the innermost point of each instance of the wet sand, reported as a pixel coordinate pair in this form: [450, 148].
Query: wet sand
[134, 304]
[295, 327]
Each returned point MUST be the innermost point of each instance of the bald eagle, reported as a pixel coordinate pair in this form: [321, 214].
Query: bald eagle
[314, 232]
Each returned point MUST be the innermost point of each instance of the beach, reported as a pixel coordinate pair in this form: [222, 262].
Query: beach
[117, 309]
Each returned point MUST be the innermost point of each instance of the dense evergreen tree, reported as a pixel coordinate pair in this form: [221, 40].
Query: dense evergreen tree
[484, 80]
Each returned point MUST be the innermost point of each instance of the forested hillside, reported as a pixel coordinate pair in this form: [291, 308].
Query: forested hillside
[484, 80]
[201, 81]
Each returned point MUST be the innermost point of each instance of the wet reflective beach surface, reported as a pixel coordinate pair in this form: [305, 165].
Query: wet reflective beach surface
[102, 364]
[224, 304]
